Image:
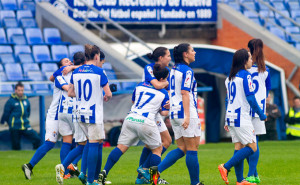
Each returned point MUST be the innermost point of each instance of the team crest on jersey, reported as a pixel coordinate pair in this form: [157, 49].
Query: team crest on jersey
[60, 79]
[250, 84]
[149, 68]
[188, 79]
[54, 134]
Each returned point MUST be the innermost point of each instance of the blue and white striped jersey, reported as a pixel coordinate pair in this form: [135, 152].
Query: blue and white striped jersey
[182, 78]
[261, 84]
[66, 103]
[148, 74]
[148, 100]
[89, 81]
[57, 91]
[238, 108]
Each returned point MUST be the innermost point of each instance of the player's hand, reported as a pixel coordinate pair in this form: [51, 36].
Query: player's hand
[186, 123]
[106, 98]
[226, 128]
[67, 69]
[167, 105]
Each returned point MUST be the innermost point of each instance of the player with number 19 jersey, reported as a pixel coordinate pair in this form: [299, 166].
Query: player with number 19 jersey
[89, 81]
[238, 108]
[182, 78]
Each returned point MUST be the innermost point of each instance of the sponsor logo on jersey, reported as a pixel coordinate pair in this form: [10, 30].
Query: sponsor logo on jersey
[250, 84]
[188, 79]
[131, 119]
[25, 103]
[85, 70]
[149, 68]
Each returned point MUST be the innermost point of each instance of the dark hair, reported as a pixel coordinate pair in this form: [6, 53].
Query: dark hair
[296, 97]
[79, 58]
[158, 52]
[239, 60]
[102, 55]
[178, 51]
[160, 72]
[91, 51]
[256, 47]
[60, 62]
[19, 84]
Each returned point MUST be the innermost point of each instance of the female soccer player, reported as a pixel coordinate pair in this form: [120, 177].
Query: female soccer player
[160, 55]
[262, 84]
[183, 112]
[140, 124]
[88, 83]
[241, 99]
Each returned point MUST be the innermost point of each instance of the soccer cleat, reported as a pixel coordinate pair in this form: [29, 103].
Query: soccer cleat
[154, 175]
[141, 181]
[162, 181]
[82, 178]
[144, 173]
[244, 182]
[67, 176]
[94, 183]
[27, 171]
[102, 177]
[251, 179]
[107, 182]
[73, 169]
[60, 171]
[257, 180]
[200, 183]
[224, 173]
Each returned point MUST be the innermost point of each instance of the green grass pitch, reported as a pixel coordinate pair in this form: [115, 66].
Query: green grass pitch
[279, 164]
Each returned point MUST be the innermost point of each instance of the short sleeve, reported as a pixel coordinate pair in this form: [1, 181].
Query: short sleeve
[58, 72]
[164, 102]
[187, 80]
[59, 82]
[104, 79]
[248, 84]
[149, 76]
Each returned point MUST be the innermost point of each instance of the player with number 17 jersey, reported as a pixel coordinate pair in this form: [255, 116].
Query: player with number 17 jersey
[238, 109]
[88, 81]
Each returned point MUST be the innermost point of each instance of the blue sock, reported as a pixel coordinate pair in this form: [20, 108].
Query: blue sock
[74, 144]
[192, 164]
[144, 156]
[155, 160]
[170, 159]
[92, 161]
[65, 149]
[252, 161]
[84, 158]
[239, 169]
[113, 157]
[147, 162]
[238, 157]
[99, 163]
[163, 150]
[77, 159]
[73, 154]
[41, 152]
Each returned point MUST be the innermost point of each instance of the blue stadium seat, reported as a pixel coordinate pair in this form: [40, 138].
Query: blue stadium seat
[24, 14]
[266, 13]
[16, 36]
[41, 53]
[49, 67]
[6, 54]
[28, 23]
[284, 22]
[7, 14]
[3, 39]
[23, 54]
[278, 32]
[37, 76]
[13, 72]
[269, 24]
[9, 4]
[257, 21]
[292, 29]
[262, 7]
[28, 5]
[284, 12]
[30, 67]
[52, 36]
[10, 22]
[34, 36]
[250, 14]
[235, 6]
[73, 49]
[5, 88]
[279, 5]
[293, 5]
[295, 38]
[59, 52]
[295, 13]
[250, 4]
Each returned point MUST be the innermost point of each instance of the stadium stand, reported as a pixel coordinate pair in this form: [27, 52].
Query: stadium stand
[276, 23]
